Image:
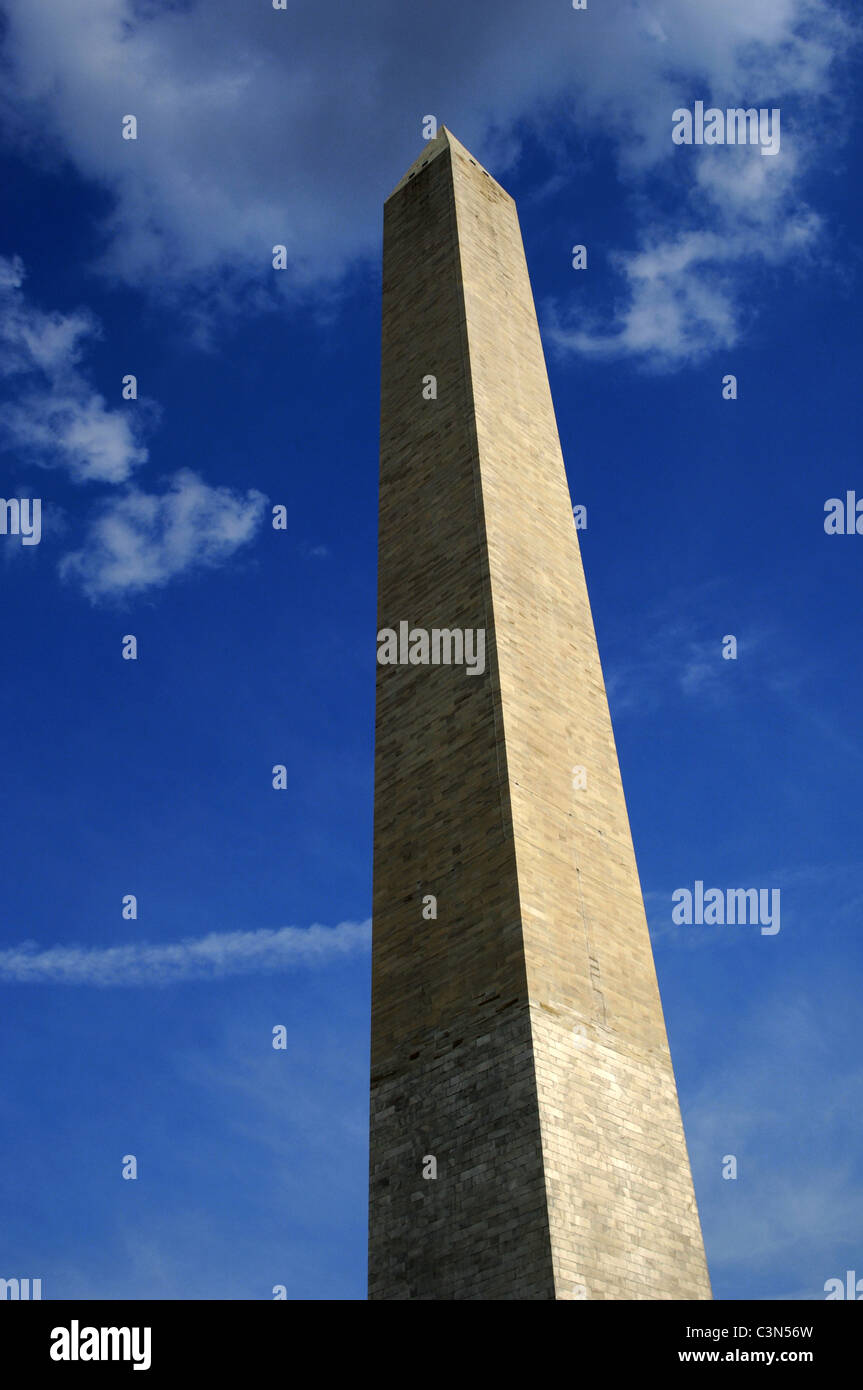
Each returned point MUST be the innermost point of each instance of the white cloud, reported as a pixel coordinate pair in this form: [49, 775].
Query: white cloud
[137, 540]
[57, 418]
[142, 540]
[206, 958]
[685, 292]
[259, 126]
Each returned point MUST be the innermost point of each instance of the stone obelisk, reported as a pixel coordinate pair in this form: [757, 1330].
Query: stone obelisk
[526, 1139]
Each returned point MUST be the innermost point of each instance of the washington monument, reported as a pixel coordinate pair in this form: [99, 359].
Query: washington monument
[526, 1139]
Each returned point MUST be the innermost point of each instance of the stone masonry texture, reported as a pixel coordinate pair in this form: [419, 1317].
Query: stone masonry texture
[518, 1039]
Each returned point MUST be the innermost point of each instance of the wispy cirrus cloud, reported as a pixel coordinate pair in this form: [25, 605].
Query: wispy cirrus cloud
[674, 655]
[782, 1095]
[211, 957]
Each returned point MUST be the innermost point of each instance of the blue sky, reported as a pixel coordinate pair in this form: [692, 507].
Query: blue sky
[256, 647]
